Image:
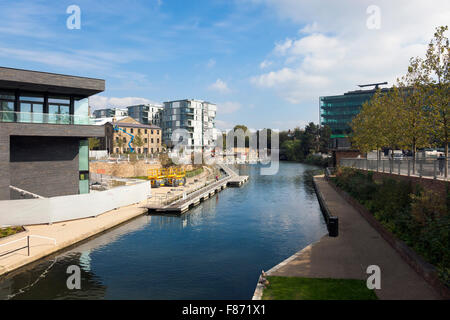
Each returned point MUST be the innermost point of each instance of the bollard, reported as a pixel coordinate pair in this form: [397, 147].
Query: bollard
[333, 226]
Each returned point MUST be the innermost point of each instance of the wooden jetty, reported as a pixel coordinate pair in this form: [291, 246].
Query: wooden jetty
[194, 198]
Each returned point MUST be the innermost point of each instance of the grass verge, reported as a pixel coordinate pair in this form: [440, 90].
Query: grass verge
[295, 288]
[9, 231]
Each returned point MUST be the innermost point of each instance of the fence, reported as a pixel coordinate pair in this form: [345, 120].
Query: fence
[428, 168]
[57, 209]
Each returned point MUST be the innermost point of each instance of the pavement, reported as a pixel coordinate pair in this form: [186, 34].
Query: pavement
[348, 255]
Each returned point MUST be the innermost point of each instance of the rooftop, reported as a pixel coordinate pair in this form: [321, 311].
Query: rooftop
[37, 81]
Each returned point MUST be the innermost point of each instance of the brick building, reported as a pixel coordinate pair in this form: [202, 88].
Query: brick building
[127, 134]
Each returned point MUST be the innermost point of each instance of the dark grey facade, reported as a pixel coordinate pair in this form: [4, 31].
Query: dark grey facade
[44, 127]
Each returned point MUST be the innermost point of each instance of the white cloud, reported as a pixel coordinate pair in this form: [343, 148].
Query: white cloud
[228, 107]
[335, 51]
[101, 102]
[265, 64]
[220, 86]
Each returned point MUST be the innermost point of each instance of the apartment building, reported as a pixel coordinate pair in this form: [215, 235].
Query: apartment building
[146, 113]
[196, 116]
[128, 135]
[110, 112]
[44, 131]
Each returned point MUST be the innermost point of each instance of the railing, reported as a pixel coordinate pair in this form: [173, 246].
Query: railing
[427, 168]
[46, 118]
[24, 247]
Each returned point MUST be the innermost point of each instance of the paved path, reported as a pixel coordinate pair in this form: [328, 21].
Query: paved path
[348, 255]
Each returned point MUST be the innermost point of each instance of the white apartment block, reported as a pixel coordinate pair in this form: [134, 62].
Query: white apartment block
[146, 113]
[196, 116]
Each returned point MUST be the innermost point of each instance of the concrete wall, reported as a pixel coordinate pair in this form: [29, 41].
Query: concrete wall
[47, 166]
[57, 209]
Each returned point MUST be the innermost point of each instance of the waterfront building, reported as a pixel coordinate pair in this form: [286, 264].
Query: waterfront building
[145, 138]
[196, 116]
[146, 113]
[110, 112]
[338, 111]
[44, 131]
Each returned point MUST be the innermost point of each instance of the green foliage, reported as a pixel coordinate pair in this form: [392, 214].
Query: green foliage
[9, 231]
[299, 145]
[193, 173]
[93, 143]
[420, 218]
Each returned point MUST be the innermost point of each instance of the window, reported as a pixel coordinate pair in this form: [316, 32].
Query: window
[31, 108]
[152, 150]
[145, 140]
[117, 139]
[145, 131]
[117, 150]
[152, 140]
[157, 131]
[152, 132]
[131, 130]
[124, 140]
[7, 106]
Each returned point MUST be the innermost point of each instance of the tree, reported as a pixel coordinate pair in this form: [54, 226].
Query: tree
[138, 141]
[436, 80]
[413, 114]
[93, 143]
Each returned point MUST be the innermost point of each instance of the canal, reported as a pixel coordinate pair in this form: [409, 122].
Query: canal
[215, 251]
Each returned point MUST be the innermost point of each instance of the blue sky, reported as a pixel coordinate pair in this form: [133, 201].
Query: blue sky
[264, 62]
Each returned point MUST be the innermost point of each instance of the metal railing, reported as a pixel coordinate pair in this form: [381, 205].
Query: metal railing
[45, 118]
[28, 246]
[427, 168]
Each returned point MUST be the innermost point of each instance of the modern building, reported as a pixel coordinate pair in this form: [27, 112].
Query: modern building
[125, 134]
[44, 131]
[146, 113]
[110, 112]
[338, 111]
[196, 116]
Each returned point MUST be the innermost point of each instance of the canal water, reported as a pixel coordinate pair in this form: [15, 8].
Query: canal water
[215, 251]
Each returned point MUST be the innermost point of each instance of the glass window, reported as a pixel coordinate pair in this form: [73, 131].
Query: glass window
[59, 100]
[6, 95]
[32, 98]
[81, 111]
[6, 111]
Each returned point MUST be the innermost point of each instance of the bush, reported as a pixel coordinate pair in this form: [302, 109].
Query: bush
[420, 218]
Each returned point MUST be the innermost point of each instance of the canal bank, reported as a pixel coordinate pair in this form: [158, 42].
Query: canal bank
[214, 251]
[347, 256]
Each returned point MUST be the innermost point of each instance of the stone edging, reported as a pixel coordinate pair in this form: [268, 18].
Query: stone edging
[427, 271]
[257, 295]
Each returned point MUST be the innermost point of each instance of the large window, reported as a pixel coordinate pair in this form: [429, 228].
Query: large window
[81, 111]
[7, 106]
[59, 110]
[31, 108]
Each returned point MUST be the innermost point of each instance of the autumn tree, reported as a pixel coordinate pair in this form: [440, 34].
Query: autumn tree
[436, 80]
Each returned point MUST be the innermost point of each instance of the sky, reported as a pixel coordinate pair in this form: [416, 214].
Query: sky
[265, 63]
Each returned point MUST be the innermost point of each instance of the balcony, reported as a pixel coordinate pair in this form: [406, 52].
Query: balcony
[44, 118]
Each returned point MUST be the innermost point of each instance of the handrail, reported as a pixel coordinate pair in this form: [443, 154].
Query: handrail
[28, 243]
